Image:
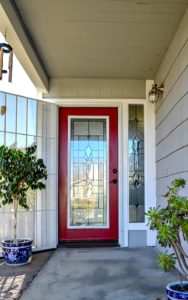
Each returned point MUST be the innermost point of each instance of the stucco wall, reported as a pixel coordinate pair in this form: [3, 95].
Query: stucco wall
[172, 113]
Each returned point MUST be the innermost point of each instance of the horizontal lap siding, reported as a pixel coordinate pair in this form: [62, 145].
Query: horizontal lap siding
[96, 89]
[174, 118]
[172, 113]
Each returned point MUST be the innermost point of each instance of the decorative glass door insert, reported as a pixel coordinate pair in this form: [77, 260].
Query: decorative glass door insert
[88, 176]
[136, 164]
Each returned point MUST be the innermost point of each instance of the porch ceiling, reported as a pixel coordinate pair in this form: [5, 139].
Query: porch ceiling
[101, 38]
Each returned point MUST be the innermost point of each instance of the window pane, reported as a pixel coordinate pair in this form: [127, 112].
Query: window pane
[31, 141]
[32, 112]
[21, 115]
[136, 163]
[11, 113]
[21, 141]
[10, 140]
[2, 117]
[1, 138]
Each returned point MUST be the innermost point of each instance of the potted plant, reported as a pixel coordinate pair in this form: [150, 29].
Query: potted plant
[20, 171]
[171, 224]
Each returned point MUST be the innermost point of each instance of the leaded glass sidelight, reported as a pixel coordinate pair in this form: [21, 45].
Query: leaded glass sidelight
[88, 157]
[136, 163]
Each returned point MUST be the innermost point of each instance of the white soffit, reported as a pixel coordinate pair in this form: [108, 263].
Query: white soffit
[101, 39]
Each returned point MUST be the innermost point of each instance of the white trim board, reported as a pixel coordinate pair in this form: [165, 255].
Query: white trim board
[149, 164]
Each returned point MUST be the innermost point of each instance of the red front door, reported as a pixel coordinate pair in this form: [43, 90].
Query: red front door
[88, 174]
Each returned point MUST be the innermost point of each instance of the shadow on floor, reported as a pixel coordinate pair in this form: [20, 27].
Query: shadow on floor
[14, 280]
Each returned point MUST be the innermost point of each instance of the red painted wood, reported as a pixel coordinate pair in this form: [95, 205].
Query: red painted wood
[88, 234]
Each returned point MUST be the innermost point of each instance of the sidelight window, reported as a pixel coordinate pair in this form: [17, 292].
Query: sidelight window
[136, 164]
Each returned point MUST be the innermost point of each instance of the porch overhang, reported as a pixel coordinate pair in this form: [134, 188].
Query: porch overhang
[71, 48]
[22, 45]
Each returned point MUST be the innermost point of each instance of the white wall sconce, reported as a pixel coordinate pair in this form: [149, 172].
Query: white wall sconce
[155, 93]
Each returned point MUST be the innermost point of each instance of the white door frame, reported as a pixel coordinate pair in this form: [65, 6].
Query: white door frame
[149, 156]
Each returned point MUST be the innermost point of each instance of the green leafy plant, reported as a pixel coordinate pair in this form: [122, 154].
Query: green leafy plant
[171, 224]
[19, 172]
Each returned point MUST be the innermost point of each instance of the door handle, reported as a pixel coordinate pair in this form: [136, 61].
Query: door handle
[114, 181]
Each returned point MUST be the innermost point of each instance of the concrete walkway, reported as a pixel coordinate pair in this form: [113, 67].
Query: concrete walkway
[14, 280]
[100, 274]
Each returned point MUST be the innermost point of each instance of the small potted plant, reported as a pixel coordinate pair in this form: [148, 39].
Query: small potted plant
[20, 171]
[171, 224]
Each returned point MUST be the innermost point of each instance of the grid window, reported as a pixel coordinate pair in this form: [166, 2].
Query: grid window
[16, 123]
[18, 126]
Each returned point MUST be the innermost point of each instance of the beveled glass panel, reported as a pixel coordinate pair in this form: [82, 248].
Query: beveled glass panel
[136, 164]
[21, 115]
[88, 167]
[11, 113]
[32, 117]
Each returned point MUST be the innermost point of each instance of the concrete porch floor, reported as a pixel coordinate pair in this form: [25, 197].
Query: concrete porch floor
[15, 280]
[100, 274]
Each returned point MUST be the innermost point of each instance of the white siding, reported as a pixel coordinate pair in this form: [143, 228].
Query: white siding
[46, 211]
[172, 113]
[96, 89]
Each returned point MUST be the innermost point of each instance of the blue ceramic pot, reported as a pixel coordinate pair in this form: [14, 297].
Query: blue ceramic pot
[17, 254]
[173, 294]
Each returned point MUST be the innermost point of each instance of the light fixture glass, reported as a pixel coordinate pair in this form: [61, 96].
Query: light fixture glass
[155, 93]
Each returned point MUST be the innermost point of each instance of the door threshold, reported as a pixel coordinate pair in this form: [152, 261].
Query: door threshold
[87, 244]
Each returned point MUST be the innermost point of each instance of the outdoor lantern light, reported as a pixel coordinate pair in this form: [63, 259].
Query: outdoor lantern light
[155, 93]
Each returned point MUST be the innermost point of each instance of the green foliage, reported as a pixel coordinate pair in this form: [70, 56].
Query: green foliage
[171, 224]
[166, 261]
[19, 172]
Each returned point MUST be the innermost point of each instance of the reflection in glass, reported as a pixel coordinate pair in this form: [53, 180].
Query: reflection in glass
[21, 141]
[21, 115]
[32, 114]
[2, 117]
[10, 140]
[11, 113]
[88, 172]
[136, 163]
